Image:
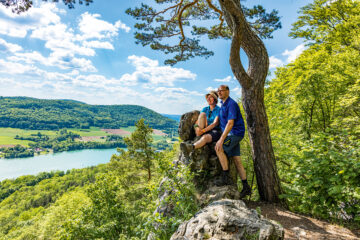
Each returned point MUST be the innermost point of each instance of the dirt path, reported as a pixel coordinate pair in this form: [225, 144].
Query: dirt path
[302, 227]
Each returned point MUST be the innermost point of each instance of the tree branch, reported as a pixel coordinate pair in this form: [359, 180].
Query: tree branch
[221, 17]
[180, 22]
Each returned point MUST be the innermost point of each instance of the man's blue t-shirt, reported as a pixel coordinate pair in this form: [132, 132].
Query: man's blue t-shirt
[230, 110]
[211, 115]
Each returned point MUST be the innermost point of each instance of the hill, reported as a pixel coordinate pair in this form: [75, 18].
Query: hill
[32, 113]
[173, 116]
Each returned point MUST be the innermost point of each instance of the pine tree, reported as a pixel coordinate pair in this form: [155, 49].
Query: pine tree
[139, 146]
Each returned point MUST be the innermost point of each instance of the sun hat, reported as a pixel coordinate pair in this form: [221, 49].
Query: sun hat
[213, 94]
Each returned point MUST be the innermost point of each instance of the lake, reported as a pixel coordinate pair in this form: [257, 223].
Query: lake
[15, 167]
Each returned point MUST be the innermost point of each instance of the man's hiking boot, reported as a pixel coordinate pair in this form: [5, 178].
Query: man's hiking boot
[245, 191]
[225, 179]
[186, 148]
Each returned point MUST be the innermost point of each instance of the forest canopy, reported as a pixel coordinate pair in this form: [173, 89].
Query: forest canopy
[32, 113]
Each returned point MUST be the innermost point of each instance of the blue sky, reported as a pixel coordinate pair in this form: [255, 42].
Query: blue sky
[89, 54]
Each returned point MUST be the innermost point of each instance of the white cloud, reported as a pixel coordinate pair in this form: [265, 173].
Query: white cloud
[275, 62]
[237, 91]
[65, 43]
[6, 80]
[15, 68]
[67, 46]
[57, 32]
[293, 54]
[18, 25]
[227, 79]
[9, 47]
[123, 26]
[29, 58]
[92, 27]
[148, 71]
[62, 60]
[98, 44]
[208, 89]
[81, 64]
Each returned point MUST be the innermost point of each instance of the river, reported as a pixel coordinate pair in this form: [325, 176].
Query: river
[15, 167]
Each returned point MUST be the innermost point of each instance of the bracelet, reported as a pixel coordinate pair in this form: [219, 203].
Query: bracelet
[203, 130]
[195, 125]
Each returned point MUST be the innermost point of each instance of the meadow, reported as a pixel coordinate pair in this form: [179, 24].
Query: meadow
[7, 135]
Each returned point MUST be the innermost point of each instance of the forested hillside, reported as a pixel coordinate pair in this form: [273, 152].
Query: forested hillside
[32, 113]
[313, 107]
[109, 201]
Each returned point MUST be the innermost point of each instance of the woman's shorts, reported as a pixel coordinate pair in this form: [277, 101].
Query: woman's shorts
[215, 135]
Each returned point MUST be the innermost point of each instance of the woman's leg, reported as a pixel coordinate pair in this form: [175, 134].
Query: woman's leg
[203, 140]
[202, 123]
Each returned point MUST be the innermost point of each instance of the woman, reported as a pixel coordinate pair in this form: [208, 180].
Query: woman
[207, 124]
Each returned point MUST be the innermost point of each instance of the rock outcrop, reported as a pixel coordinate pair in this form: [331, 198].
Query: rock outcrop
[228, 220]
[224, 216]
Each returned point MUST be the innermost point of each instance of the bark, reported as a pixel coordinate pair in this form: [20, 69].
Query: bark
[252, 82]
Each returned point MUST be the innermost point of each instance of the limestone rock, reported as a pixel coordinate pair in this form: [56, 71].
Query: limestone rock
[187, 121]
[228, 219]
[215, 193]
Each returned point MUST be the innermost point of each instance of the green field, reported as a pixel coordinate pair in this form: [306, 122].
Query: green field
[7, 135]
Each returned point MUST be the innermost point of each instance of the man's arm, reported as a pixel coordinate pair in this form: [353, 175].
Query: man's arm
[220, 142]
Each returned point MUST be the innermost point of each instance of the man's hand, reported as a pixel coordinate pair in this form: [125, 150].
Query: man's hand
[219, 145]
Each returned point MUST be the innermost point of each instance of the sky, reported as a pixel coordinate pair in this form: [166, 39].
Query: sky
[89, 54]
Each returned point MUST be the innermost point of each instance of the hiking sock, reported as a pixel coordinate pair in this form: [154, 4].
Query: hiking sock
[245, 182]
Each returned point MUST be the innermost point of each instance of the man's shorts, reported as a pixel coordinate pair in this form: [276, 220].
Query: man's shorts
[231, 145]
[215, 134]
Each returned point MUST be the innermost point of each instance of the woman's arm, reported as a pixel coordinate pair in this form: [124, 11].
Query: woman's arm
[211, 126]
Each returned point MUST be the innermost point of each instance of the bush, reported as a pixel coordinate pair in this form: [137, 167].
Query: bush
[326, 178]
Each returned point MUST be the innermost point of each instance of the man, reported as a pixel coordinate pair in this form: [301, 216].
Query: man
[228, 146]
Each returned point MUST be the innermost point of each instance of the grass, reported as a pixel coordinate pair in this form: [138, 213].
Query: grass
[93, 131]
[7, 135]
[6, 140]
[129, 129]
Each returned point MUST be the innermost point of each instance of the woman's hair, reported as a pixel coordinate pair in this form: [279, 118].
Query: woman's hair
[214, 94]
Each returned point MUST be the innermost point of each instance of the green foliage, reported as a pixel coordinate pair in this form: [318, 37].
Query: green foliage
[178, 183]
[17, 151]
[30, 203]
[63, 141]
[122, 201]
[163, 27]
[139, 146]
[313, 108]
[32, 113]
[7, 186]
[326, 178]
[329, 22]
[119, 203]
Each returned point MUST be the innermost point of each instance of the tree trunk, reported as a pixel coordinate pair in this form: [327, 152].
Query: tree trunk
[262, 152]
[252, 83]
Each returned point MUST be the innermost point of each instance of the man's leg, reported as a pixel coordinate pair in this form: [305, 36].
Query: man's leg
[223, 160]
[240, 169]
[225, 175]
